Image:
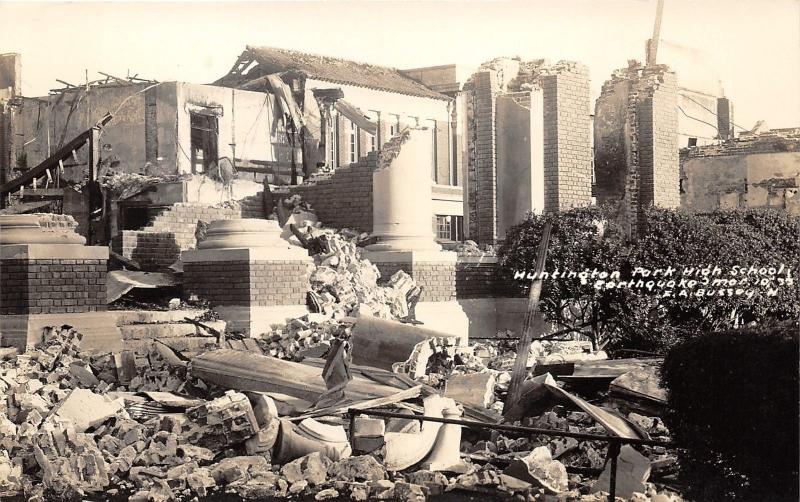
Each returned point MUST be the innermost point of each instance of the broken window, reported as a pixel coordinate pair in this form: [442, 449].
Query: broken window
[205, 132]
[449, 227]
[692, 142]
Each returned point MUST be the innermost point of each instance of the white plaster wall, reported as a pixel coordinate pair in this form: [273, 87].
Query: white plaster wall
[247, 120]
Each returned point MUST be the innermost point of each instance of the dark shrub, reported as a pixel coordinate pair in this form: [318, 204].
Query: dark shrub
[733, 398]
[649, 319]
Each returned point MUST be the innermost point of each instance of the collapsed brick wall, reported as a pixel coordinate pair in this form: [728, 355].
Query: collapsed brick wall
[342, 199]
[52, 286]
[776, 141]
[159, 245]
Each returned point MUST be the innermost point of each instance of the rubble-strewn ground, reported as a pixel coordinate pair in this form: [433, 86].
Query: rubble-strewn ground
[140, 426]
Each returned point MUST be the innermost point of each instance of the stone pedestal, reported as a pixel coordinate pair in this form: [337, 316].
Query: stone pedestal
[251, 276]
[403, 229]
[49, 278]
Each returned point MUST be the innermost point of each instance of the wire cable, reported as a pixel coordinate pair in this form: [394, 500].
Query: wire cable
[712, 112]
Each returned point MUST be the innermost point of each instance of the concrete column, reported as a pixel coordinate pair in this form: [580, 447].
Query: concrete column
[251, 276]
[402, 211]
[49, 278]
[403, 227]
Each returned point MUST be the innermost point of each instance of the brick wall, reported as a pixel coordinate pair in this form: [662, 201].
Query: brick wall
[52, 286]
[482, 162]
[566, 145]
[636, 150]
[486, 280]
[567, 151]
[438, 279]
[159, 245]
[342, 199]
[257, 283]
[658, 145]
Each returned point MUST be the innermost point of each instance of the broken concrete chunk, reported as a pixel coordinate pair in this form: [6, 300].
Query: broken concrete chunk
[200, 481]
[71, 463]
[225, 421]
[475, 389]
[435, 482]
[360, 468]
[328, 493]
[381, 490]
[312, 468]
[230, 470]
[408, 492]
[633, 471]
[538, 468]
[10, 474]
[87, 409]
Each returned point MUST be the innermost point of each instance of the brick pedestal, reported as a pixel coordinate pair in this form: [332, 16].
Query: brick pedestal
[435, 271]
[54, 284]
[252, 286]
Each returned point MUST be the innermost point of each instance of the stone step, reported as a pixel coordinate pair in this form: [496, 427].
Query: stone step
[151, 316]
[166, 330]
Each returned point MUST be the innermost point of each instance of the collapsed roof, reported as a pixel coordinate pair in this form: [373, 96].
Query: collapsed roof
[256, 62]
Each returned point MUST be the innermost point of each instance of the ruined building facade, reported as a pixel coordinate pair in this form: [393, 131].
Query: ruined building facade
[753, 171]
[635, 141]
[527, 144]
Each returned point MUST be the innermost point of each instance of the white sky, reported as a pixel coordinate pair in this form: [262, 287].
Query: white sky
[752, 46]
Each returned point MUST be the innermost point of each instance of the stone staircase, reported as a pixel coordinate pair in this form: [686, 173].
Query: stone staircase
[159, 245]
[140, 328]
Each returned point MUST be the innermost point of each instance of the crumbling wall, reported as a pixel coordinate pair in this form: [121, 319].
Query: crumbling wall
[635, 131]
[658, 123]
[742, 174]
[564, 137]
[342, 199]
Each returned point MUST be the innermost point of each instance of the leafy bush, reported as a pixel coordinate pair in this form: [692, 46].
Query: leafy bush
[646, 319]
[733, 412]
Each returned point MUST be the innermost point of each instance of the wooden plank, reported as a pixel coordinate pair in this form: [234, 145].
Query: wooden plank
[52, 161]
[524, 346]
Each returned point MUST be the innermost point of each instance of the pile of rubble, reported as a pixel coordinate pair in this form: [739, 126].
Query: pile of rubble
[342, 285]
[147, 426]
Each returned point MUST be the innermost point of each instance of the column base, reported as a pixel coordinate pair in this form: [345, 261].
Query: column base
[257, 320]
[99, 329]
